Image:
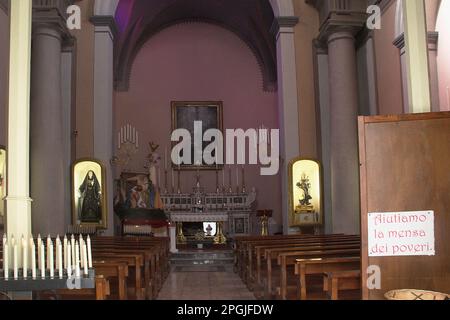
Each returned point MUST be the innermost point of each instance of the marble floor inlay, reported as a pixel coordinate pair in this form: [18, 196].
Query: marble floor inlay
[204, 283]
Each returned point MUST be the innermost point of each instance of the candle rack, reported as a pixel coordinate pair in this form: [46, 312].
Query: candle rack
[39, 284]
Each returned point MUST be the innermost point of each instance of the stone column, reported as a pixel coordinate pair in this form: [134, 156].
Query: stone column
[283, 28]
[343, 92]
[18, 201]
[105, 31]
[47, 149]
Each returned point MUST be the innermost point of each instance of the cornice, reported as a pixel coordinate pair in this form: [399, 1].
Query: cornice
[106, 21]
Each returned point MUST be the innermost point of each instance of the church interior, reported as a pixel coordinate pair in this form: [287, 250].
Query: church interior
[225, 149]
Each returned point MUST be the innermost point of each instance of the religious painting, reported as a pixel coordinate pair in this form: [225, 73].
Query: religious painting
[89, 204]
[305, 193]
[2, 183]
[137, 191]
[185, 114]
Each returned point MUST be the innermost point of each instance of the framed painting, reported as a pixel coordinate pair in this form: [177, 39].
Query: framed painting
[305, 193]
[184, 114]
[89, 205]
[2, 184]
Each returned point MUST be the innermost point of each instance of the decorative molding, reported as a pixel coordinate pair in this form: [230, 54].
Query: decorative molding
[320, 47]
[106, 21]
[433, 38]
[399, 42]
[52, 14]
[283, 22]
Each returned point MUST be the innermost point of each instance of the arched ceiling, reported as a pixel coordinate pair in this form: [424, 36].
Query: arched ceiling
[139, 20]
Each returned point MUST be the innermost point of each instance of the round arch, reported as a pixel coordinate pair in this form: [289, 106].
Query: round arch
[281, 8]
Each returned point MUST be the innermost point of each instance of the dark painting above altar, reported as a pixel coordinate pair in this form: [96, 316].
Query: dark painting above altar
[185, 114]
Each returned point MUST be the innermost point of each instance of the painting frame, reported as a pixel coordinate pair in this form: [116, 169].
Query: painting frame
[311, 219]
[215, 117]
[81, 168]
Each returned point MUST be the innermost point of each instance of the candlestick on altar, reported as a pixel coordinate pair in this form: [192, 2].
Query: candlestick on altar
[237, 179]
[6, 260]
[217, 180]
[89, 248]
[173, 182]
[165, 181]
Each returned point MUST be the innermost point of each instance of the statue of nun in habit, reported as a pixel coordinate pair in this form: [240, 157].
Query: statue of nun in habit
[89, 206]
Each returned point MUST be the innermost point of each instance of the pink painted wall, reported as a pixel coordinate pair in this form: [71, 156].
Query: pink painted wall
[199, 62]
[443, 57]
[388, 68]
[4, 62]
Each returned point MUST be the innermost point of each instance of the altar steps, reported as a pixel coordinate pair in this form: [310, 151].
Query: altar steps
[203, 258]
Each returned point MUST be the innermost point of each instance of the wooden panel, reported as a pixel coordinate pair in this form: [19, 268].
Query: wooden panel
[405, 166]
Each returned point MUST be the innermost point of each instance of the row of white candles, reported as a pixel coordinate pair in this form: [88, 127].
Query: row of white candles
[72, 255]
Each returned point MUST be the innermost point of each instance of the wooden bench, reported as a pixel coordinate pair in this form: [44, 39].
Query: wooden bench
[341, 280]
[305, 267]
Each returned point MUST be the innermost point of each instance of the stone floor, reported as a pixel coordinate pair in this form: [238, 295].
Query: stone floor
[204, 283]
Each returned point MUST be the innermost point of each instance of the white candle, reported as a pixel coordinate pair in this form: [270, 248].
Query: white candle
[77, 260]
[42, 263]
[24, 258]
[48, 250]
[173, 179]
[72, 244]
[69, 258]
[85, 262]
[6, 260]
[80, 242]
[237, 176]
[39, 243]
[15, 263]
[5, 239]
[59, 260]
[51, 262]
[33, 259]
[65, 252]
[89, 248]
[118, 141]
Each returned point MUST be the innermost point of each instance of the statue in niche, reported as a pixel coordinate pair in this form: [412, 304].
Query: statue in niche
[90, 199]
[305, 203]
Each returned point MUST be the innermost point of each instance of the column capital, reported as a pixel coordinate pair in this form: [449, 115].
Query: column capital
[52, 14]
[109, 22]
[282, 23]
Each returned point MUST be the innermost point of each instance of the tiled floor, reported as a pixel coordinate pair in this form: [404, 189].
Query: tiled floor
[204, 283]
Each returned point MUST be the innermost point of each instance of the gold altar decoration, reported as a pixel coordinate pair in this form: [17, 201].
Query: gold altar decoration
[305, 193]
[180, 236]
[220, 237]
[264, 215]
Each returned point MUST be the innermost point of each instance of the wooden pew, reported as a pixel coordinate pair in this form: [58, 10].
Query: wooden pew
[341, 280]
[101, 292]
[305, 267]
[113, 269]
[248, 249]
[260, 252]
[286, 259]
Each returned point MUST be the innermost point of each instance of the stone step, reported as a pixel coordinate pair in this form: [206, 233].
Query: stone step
[189, 258]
